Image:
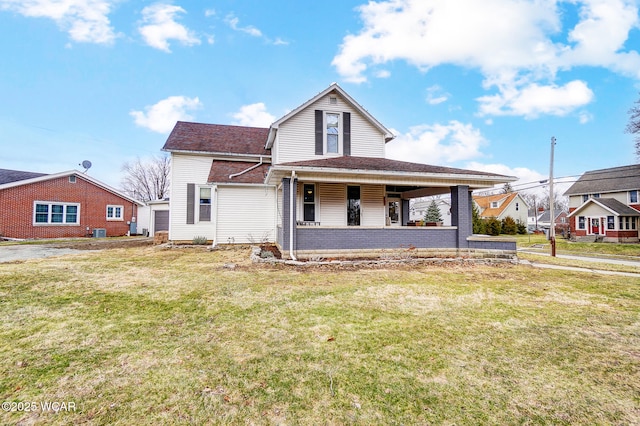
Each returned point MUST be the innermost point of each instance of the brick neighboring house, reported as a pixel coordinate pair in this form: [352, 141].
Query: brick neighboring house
[66, 204]
[501, 206]
[604, 205]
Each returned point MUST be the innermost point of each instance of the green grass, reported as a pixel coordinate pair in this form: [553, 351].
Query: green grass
[149, 336]
[565, 246]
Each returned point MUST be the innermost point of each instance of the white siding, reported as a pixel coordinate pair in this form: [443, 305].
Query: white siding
[372, 205]
[246, 214]
[518, 215]
[187, 169]
[295, 139]
[333, 204]
[623, 197]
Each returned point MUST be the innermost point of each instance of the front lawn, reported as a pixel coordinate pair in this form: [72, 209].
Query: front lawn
[151, 336]
[565, 246]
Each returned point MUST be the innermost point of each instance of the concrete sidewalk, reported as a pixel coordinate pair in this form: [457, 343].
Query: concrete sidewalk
[594, 260]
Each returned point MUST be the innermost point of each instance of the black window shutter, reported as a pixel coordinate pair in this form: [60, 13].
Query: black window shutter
[319, 133]
[346, 133]
[191, 199]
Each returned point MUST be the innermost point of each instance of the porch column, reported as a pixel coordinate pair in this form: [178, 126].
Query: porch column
[461, 216]
[286, 208]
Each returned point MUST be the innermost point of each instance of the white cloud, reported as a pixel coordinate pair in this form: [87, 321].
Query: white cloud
[437, 143]
[518, 46]
[532, 100]
[86, 21]
[254, 115]
[233, 22]
[162, 116]
[435, 95]
[159, 26]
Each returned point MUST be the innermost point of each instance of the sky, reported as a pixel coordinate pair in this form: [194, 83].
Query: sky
[481, 85]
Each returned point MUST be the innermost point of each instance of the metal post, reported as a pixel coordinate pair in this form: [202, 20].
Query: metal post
[552, 229]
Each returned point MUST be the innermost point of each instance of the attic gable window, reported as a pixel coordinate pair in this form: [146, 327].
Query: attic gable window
[494, 204]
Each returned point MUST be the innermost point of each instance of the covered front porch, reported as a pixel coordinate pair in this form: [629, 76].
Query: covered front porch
[347, 212]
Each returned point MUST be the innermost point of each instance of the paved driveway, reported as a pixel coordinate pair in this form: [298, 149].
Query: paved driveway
[36, 251]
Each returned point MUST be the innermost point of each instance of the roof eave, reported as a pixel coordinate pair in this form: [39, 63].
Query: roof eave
[394, 174]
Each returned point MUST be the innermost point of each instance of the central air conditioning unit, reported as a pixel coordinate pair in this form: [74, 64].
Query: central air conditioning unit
[99, 233]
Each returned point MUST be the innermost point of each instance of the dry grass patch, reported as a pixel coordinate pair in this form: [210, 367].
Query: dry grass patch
[155, 336]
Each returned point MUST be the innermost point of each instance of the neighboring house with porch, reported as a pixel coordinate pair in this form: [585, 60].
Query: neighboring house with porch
[604, 205]
[317, 183]
[501, 206]
[66, 204]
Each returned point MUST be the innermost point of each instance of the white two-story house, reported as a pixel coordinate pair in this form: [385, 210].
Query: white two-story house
[604, 205]
[317, 183]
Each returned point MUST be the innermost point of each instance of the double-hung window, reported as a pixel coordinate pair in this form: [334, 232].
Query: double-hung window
[115, 212]
[205, 205]
[333, 132]
[56, 213]
[611, 224]
[633, 196]
[581, 222]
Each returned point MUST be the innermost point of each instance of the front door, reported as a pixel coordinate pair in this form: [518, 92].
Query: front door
[595, 226]
[394, 214]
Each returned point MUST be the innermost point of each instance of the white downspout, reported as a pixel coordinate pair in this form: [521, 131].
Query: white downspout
[291, 224]
[247, 170]
[215, 216]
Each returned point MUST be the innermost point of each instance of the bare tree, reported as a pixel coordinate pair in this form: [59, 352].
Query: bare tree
[507, 188]
[633, 126]
[148, 179]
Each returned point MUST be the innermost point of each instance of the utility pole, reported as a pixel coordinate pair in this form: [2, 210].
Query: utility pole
[552, 228]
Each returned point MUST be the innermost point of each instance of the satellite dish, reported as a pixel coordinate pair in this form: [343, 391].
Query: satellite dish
[86, 164]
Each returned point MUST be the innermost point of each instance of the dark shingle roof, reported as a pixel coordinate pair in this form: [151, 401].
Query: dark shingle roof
[623, 178]
[220, 171]
[217, 138]
[383, 164]
[617, 206]
[8, 176]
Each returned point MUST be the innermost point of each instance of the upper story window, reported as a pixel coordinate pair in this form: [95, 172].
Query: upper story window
[46, 213]
[494, 204]
[633, 196]
[114, 212]
[332, 132]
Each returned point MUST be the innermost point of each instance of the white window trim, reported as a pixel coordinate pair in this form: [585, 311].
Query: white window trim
[637, 197]
[49, 213]
[114, 218]
[197, 204]
[324, 134]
